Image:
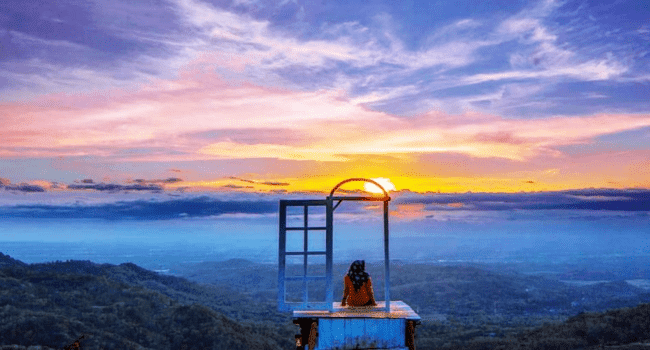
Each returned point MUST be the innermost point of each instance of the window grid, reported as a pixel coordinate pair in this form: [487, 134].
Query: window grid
[305, 277]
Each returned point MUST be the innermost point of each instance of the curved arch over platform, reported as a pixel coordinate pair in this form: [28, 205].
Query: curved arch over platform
[359, 179]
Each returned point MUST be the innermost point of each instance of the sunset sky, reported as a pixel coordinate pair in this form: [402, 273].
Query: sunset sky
[256, 95]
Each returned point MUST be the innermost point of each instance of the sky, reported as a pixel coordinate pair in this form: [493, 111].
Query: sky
[293, 96]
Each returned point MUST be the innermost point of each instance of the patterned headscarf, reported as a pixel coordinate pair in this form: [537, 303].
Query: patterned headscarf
[358, 274]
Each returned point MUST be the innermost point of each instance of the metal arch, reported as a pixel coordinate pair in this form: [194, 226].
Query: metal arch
[385, 199]
[360, 179]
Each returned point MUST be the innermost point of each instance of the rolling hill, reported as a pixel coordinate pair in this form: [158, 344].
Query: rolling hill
[128, 307]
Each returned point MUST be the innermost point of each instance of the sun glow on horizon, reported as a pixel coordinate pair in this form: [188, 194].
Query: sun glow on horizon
[384, 182]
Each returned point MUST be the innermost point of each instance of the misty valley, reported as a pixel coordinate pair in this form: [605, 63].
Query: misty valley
[231, 304]
[479, 280]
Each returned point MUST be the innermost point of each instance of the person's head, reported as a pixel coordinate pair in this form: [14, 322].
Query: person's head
[358, 266]
[358, 274]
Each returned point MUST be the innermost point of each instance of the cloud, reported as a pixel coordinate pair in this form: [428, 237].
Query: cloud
[48, 185]
[23, 187]
[236, 187]
[268, 183]
[274, 183]
[243, 180]
[234, 150]
[321, 126]
[369, 59]
[630, 200]
[169, 180]
[251, 136]
[26, 40]
[115, 187]
[202, 206]
[343, 92]
[111, 205]
[356, 53]
[588, 71]
[31, 186]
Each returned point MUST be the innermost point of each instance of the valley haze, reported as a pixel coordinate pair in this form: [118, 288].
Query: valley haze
[157, 229]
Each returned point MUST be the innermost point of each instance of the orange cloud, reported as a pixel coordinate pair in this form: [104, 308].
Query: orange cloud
[330, 126]
[409, 211]
[164, 119]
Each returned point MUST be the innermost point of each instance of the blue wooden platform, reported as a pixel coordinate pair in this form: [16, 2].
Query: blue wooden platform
[360, 327]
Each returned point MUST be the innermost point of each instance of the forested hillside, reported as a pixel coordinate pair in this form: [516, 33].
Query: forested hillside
[54, 304]
[463, 307]
[621, 329]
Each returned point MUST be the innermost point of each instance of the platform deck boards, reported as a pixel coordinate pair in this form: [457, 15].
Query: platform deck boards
[398, 309]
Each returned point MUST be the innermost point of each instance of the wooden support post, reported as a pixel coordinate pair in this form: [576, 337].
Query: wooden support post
[410, 334]
[308, 333]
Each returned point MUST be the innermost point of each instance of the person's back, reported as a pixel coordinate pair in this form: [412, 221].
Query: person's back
[358, 286]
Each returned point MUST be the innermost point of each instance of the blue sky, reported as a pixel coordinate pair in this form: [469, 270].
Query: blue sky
[281, 91]
[486, 55]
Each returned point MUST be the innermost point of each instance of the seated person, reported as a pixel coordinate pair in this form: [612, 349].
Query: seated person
[358, 286]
